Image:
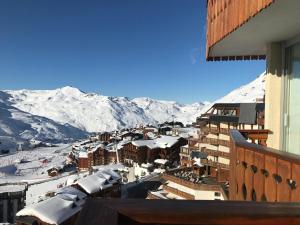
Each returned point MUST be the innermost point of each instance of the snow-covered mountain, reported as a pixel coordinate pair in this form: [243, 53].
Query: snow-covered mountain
[247, 93]
[93, 112]
[21, 125]
[70, 113]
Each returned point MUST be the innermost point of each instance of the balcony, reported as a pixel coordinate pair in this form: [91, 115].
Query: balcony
[215, 164]
[258, 173]
[216, 153]
[215, 130]
[140, 211]
[213, 141]
[178, 192]
[205, 184]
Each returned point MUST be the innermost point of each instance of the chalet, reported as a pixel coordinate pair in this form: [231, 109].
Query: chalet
[91, 157]
[214, 138]
[62, 209]
[55, 171]
[146, 151]
[104, 136]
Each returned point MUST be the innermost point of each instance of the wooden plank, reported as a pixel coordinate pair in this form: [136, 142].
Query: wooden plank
[295, 194]
[258, 179]
[249, 174]
[232, 176]
[270, 184]
[283, 190]
[240, 174]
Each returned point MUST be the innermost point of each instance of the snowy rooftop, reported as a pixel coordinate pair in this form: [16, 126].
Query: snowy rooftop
[161, 161]
[83, 154]
[98, 145]
[161, 142]
[57, 209]
[99, 181]
[12, 188]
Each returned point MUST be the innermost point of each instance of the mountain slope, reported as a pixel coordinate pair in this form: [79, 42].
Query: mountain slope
[246, 93]
[93, 112]
[45, 114]
[21, 125]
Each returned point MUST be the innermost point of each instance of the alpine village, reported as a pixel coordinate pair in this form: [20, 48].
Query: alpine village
[236, 164]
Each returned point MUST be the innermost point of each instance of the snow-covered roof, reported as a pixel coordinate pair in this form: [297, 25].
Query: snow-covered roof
[12, 188]
[158, 170]
[101, 145]
[57, 209]
[198, 162]
[83, 154]
[163, 141]
[99, 181]
[151, 135]
[146, 165]
[161, 161]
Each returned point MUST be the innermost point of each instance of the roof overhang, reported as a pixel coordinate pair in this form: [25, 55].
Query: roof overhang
[277, 23]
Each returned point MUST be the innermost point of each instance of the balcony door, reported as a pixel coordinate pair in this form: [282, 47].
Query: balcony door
[292, 100]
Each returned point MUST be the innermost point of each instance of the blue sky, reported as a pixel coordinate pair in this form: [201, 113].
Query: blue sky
[153, 48]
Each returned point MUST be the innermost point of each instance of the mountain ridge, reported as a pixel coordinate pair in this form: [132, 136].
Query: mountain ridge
[69, 110]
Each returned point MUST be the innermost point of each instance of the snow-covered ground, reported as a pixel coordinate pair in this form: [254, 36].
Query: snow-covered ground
[32, 165]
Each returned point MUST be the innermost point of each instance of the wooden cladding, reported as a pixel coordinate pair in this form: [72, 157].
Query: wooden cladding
[258, 173]
[225, 16]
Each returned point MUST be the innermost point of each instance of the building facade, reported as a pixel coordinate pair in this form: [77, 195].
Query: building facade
[12, 199]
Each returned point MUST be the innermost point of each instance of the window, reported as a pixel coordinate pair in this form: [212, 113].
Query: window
[291, 140]
[217, 194]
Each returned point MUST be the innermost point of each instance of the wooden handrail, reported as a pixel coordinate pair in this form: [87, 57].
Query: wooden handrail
[239, 140]
[258, 173]
[140, 211]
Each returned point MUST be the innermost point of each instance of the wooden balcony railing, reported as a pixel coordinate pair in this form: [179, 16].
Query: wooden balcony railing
[152, 196]
[192, 185]
[258, 173]
[259, 136]
[225, 16]
[140, 211]
[215, 164]
[215, 130]
[178, 192]
[214, 141]
[216, 153]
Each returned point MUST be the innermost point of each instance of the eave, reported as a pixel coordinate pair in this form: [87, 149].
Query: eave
[246, 36]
